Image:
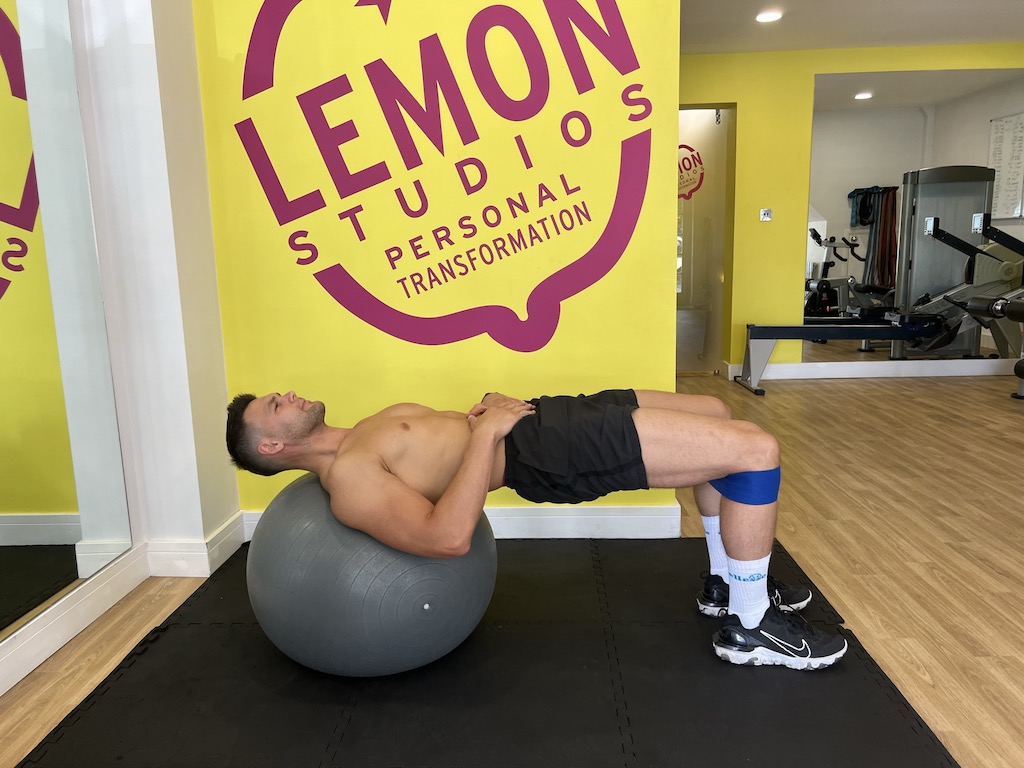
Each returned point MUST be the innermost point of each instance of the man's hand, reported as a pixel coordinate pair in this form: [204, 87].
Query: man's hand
[499, 413]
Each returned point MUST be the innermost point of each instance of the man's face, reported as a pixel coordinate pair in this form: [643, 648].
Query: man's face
[286, 417]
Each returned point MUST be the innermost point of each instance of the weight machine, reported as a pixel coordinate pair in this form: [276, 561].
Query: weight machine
[926, 267]
[1009, 307]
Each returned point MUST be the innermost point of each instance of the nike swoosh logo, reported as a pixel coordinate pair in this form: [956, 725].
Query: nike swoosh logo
[803, 649]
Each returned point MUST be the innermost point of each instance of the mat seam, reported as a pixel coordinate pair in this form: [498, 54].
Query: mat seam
[615, 670]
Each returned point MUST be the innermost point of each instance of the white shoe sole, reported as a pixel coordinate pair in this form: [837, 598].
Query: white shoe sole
[762, 657]
[710, 610]
[716, 612]
[793, 607]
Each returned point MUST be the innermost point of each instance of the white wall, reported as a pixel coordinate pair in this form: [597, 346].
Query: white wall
[863, 148]
[962, 131]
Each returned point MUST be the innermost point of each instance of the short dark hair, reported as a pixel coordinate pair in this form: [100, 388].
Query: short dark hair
[242, 440]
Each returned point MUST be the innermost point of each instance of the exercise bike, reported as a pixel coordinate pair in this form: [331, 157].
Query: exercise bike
[843, 297]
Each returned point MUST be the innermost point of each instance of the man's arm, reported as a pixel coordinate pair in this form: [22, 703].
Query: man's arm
[366, 496]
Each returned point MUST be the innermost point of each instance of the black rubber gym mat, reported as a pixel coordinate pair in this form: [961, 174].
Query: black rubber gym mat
[31, 575]
[591, 654]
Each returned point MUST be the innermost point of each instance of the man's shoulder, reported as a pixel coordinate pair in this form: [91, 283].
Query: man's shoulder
[355, 461]
[351, 473]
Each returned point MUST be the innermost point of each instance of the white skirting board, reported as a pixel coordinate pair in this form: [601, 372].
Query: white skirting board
[558, 521]
[197, 558]
[44, 528]
[563, 521]
[93, 555]
[30, 645]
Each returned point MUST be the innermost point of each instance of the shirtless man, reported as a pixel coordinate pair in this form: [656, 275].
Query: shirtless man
[416, 479]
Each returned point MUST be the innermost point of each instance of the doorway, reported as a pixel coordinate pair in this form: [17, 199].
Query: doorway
[705, 180]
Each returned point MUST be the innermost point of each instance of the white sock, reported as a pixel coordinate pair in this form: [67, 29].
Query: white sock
[748, 590]
[716, 549]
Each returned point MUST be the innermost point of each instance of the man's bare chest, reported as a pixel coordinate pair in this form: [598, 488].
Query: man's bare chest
[413, 443]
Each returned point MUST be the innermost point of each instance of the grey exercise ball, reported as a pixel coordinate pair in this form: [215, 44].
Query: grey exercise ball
[339, 601]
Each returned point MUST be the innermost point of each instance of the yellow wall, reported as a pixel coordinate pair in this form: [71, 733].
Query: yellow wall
[774, 98]
[282, 329]
[35, 451]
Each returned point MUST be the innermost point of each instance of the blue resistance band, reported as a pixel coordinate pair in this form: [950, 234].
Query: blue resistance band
[751, 487]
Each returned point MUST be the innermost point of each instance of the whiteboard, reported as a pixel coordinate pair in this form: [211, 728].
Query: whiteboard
[1006, 156]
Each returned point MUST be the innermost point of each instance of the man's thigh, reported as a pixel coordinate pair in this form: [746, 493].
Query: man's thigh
[682, 449]
[677, 401]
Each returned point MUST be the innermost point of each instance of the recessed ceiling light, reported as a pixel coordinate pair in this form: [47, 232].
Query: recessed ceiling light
[766, 16]
[864, 95]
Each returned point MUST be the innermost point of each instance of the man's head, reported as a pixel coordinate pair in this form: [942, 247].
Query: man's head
[264, 432]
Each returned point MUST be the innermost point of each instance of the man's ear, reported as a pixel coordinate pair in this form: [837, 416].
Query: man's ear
[268, 447]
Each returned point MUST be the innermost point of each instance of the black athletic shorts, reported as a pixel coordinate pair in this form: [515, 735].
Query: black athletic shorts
[576, 449]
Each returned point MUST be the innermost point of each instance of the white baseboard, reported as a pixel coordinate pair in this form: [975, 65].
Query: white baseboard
[94, 555]
[225, 541]
[197, 558]
[883, 369]
[249, 521]
[178, 558]
[46, 528]
[30, 645]
[563, 521]
[559, 521]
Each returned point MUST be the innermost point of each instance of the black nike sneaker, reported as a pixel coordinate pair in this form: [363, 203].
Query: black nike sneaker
[714, 599]
[781, 639]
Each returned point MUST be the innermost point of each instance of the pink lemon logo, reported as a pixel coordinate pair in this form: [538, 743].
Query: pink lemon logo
[437, 99]
[691, 171]
[24, 215]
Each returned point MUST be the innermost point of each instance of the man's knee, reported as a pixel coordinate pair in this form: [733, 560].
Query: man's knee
[760, 448]
[720, 409]
[759, 478]
[771, 455]
[710, 405]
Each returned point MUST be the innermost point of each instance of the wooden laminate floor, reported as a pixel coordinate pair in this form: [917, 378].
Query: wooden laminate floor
[902, 500]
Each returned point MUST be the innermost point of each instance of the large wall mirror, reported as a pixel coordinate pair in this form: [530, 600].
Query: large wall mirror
[861, 150]
[63, 508]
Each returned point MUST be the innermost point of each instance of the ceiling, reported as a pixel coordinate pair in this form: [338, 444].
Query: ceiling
[728, 26]
[905, 89]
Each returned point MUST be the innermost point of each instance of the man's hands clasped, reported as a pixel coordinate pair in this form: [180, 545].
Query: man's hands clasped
[498, 413]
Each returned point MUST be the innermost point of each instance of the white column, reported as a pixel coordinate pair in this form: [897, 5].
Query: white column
[156, 256]
[74, 282]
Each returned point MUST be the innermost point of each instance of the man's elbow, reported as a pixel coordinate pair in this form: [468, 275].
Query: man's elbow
[446, 539]
[453, 547]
